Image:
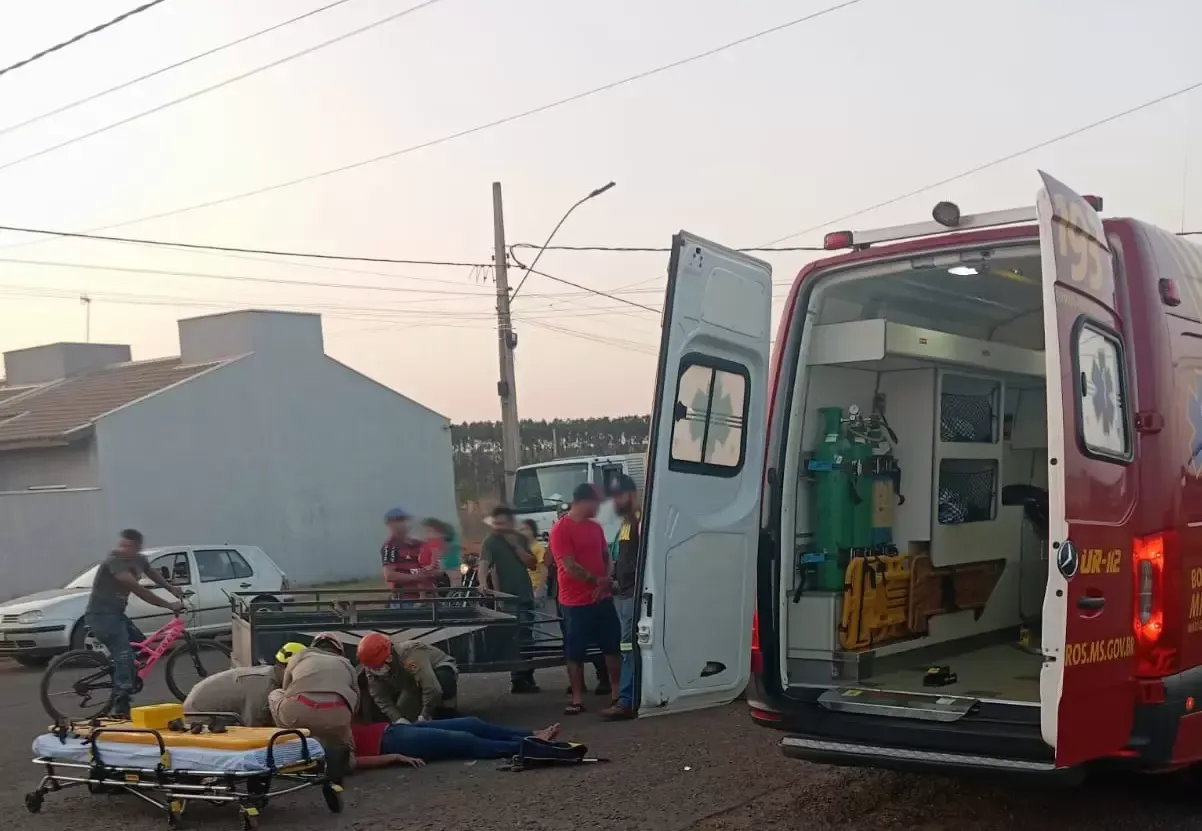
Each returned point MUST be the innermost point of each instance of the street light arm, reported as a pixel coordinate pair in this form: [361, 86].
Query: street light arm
[554, 231]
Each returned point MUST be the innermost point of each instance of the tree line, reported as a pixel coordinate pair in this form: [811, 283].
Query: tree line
[480, 474]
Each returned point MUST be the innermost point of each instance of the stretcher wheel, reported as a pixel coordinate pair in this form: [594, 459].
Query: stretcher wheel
[333, 796]
[33, 801]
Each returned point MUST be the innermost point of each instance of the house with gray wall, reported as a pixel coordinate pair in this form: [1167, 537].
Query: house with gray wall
[252, 435]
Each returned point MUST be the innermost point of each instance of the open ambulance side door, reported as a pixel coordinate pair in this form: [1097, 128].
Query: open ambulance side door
[701, 519]
[1086, 683]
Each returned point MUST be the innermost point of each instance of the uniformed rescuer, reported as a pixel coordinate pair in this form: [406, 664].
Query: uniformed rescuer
[242, 691]
[411, 681]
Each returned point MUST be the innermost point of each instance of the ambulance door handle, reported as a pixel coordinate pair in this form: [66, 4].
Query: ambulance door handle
[1091, 602]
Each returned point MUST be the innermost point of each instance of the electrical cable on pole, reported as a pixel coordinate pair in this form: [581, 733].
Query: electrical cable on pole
[147, 76]
[64, 44]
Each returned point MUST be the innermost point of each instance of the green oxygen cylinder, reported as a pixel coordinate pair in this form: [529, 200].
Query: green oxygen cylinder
[833, 514]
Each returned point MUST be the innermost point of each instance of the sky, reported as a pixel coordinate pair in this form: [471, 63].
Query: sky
[778, 135]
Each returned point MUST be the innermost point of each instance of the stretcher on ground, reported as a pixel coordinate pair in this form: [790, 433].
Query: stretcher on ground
[171, 759]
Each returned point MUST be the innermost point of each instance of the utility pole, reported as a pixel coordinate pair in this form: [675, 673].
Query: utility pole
[87, 317]
[511, 436]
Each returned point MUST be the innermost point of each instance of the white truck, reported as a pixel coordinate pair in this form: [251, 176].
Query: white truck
[540, 489]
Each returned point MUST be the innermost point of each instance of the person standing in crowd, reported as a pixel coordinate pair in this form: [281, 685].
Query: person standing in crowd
[585, 596]
[544, 604]
[441, 552]
[625, 500]
[505, 564]
[319, 692]
[400, 558]
[118, 575]
[411, 681]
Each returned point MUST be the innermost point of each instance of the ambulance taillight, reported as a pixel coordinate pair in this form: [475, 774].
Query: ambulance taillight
[757, 657]
[1154, 611]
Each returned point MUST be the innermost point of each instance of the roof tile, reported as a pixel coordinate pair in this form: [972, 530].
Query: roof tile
[52, 411]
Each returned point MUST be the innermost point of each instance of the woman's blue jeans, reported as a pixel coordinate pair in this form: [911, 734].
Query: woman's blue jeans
[452, 738]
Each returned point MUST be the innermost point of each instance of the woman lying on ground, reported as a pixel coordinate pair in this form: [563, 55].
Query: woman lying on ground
[381, 744]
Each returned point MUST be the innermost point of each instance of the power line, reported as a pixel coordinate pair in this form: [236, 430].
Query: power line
[64, 44]
[216, 86]
[1001, 160]
[236, 250]
[490, 124]
[64, 108]
[597, 292]
[629, 249]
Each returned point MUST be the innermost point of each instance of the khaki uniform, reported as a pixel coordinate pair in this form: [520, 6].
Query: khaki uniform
[320, 693]
[412, 687]
[242, 691]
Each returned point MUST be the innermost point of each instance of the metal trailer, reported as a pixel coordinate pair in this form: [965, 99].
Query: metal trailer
[478, 628]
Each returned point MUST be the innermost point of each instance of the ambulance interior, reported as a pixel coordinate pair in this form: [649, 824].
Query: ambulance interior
[919, 464]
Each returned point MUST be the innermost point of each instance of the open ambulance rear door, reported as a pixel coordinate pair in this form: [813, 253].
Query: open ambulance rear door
[1090, 642]
[701, 517]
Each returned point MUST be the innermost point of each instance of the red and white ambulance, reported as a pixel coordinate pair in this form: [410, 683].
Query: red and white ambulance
[1048, 603]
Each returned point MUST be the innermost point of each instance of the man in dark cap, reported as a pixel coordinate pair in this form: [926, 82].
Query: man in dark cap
[626, 505]
[585, 592]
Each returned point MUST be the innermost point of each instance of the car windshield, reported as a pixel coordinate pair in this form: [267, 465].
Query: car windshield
[84, 581]
[544, 488]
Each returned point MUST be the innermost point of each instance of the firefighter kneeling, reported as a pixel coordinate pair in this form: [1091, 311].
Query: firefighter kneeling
[411, 681]
[320, 693]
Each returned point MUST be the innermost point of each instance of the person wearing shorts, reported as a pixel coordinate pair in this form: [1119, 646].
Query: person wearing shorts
[585, 593]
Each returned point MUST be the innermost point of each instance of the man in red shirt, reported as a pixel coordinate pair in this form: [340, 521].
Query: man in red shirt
[400, 558]
[585, 592]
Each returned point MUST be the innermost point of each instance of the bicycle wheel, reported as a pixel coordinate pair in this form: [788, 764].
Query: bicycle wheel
[190, 662]
[82, 677]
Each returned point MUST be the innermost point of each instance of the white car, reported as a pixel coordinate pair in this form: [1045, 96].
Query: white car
[39, 626]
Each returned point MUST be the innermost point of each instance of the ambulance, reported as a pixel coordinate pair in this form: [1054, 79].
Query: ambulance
[1018, 397]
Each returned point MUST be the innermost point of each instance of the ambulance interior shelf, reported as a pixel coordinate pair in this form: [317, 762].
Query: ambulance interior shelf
[949, 392]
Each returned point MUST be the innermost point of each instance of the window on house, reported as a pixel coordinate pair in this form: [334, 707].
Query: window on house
[1101, 393]
[710, 416]
[216, 565]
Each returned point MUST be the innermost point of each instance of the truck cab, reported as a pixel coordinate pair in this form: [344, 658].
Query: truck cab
[957, 511]
[540, 490]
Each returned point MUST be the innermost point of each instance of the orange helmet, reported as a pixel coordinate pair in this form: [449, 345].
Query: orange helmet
[374, 650]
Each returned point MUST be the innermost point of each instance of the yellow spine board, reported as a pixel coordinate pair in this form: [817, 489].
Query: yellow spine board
[234, 738]
[876, 600]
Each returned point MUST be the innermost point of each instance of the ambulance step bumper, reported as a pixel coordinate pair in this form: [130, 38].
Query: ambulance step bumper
[826, 751]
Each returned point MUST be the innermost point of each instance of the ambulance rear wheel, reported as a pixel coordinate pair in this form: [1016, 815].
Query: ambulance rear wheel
[333, 797]
[33, 801]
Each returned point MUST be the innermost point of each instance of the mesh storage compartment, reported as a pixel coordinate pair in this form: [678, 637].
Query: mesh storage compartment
[966, 418]
[967, 491]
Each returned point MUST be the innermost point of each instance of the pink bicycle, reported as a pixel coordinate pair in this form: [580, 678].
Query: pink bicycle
[91, 671]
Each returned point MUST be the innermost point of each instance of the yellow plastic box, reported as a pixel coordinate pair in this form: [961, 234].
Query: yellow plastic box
[156, 716]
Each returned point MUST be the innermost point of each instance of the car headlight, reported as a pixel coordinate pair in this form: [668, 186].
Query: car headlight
[30, 617]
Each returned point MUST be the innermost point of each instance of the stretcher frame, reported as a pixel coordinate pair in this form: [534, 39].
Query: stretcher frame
[171, 790]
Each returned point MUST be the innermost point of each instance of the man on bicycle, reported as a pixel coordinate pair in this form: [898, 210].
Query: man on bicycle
[119, 574]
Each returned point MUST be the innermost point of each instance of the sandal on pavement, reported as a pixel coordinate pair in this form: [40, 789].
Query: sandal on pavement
[573, 709]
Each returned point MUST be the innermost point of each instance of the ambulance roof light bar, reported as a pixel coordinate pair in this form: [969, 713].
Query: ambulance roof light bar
[947, 217]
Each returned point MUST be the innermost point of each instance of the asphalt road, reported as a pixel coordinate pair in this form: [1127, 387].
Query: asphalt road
[711, 770]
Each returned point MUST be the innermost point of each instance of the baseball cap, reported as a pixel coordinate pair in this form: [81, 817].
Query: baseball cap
[622, 484]
[585, 492]
[396, 513]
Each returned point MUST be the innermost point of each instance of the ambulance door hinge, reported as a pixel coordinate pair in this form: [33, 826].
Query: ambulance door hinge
[1148, 422]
